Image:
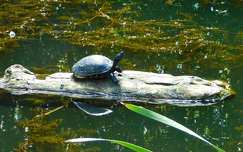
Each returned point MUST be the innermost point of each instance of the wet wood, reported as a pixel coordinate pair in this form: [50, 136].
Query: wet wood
[132, 86]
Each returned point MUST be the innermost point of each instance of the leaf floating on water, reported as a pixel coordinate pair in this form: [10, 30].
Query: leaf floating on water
[91, 109]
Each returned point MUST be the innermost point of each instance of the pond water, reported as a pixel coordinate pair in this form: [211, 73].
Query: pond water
[202, 38]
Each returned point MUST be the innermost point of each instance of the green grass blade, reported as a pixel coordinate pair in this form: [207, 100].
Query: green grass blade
[123, 143]
[155, 116]
[130, 146]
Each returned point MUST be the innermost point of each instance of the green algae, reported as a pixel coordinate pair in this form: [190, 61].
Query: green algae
[108, 26]
[104, 25]
[42, 134]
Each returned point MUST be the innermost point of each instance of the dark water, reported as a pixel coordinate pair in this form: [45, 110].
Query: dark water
[221, 124]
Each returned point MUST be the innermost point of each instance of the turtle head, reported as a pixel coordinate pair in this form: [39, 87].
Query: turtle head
[117, 58]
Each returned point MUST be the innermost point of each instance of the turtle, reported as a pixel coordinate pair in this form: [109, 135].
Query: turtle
[97, 66]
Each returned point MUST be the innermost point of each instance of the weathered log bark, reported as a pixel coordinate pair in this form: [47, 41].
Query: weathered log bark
[132, 86]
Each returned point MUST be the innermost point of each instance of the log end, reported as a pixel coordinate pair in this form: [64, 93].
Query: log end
[17, 72]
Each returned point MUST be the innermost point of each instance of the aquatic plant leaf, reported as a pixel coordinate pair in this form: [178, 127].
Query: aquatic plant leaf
[50, 112]
[92, 110]
[155, 116]
[123, 143]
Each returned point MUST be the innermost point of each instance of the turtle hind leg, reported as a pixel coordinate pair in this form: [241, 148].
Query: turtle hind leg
[113, 78]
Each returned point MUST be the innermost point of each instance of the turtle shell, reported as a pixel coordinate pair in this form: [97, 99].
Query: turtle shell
[94, 65]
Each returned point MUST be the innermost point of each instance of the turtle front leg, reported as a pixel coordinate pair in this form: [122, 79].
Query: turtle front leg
[113, 78]
[118, 69]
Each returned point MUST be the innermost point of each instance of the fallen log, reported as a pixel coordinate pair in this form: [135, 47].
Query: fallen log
[132, 86]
